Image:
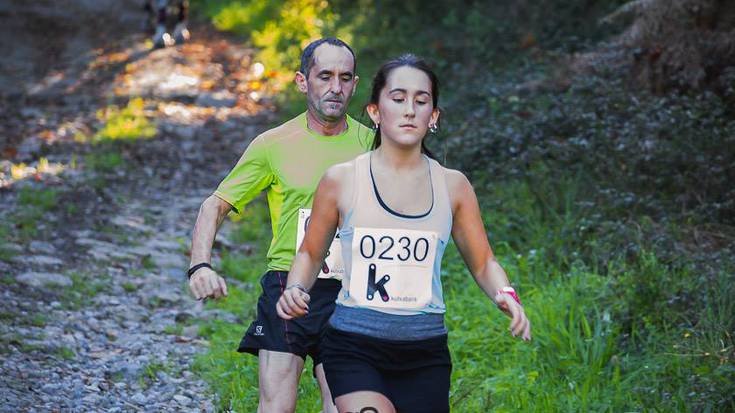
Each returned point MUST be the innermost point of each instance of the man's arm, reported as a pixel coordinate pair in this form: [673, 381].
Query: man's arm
[247, 179]
[205, 282]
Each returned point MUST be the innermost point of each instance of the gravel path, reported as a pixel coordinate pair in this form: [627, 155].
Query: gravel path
[94, 311]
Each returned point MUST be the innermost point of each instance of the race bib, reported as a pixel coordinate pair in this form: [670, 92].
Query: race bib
[392, 268]
[332, 267]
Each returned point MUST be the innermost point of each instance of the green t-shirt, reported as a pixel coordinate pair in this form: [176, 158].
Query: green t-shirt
[288, 161]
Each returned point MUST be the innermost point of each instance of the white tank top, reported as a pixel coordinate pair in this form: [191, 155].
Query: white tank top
[392, 261]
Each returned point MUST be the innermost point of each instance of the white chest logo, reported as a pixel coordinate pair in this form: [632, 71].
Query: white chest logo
[332, 267]
[392, 268]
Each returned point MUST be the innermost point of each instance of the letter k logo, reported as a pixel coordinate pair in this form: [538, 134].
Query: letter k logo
[372, 286]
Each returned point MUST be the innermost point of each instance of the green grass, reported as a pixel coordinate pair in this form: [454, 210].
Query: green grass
[610, 342]
[149, 372]
[104, 162]
[65, 353]
[148, 263]
[33, 203]
[176, 329]
[129, 287]
[5, 253]
[83, 289]
[38, 320]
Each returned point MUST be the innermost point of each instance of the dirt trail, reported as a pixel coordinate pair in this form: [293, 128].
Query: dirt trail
[94, 310]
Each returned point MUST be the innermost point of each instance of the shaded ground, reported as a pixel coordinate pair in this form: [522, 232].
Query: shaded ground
[94, 236]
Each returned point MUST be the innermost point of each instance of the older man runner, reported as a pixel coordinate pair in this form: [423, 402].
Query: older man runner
[287, 162]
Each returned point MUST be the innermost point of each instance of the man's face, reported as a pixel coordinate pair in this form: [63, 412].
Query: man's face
[331, 82]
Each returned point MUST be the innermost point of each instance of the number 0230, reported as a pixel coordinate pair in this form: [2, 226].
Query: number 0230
[388, 248]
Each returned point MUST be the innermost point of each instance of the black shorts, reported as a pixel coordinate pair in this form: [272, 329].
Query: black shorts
[413, 375]
[301, 336]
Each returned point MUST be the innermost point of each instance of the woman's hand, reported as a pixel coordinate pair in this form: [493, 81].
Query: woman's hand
[519, 323]
[294, 303]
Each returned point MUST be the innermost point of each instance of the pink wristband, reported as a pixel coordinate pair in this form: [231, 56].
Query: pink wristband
[511, 292]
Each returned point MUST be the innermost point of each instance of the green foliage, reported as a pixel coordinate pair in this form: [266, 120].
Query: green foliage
[278, 29]
[6, 254]
[150, 372]
[128, 123]
[130, 287]
[105, 162]
[33, 204]
[38, 320]
[65, 353]
[610, 208]
[83, 289]
[176, 329]
[43, 199]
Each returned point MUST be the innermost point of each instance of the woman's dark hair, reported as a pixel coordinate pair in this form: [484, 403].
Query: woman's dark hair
[381, 78]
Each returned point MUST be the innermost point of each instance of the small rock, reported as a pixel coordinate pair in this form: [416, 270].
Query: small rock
[92, 388]
[29, 148]
[158, 244]
[127, 370]
[39, 260]
[182, 400]
[219, 99]
[183, 317]
[31, 112]
[39, 279]
[174, 272]
[169, 260]
[139, 398]
[190, 331]
[42, 247]
[50, 388]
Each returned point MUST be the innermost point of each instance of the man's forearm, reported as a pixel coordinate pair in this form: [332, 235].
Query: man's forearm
[211, 214]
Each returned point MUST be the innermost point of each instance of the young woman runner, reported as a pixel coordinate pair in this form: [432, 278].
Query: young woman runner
[396, 207]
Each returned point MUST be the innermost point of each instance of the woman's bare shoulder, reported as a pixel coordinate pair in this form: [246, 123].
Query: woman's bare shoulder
[341, 173]
[456, 180]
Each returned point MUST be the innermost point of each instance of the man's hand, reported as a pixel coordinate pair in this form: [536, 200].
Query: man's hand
[294, 303]
[519, 323]
[206, 283]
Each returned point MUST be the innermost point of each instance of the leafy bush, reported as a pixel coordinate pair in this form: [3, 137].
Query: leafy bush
[679, 43]
[128, 123]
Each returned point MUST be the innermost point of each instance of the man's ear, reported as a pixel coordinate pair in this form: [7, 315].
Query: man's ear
[354, 85]
[300, 80]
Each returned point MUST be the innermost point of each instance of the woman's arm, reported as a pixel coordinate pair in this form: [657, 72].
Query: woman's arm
[469, 234]
[294, 301]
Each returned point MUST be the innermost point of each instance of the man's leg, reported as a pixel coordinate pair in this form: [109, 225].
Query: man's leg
[278, 375]
[161, 38]
[327, 403]
[181, 33]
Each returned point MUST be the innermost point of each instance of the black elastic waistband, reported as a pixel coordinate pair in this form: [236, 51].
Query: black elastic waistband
[321, 283]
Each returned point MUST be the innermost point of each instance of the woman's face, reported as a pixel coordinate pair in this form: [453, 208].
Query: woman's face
[405, 109]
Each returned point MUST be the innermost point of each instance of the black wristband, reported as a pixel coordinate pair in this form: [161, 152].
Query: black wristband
[194, 269]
